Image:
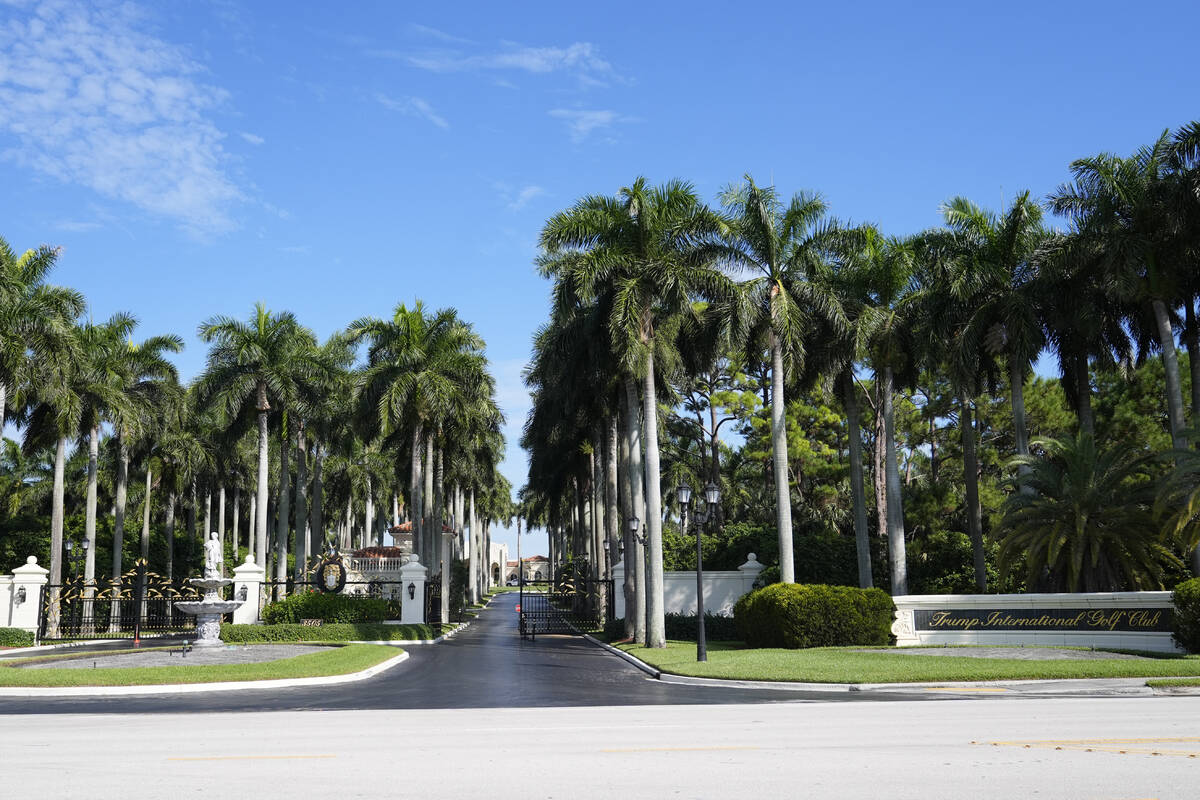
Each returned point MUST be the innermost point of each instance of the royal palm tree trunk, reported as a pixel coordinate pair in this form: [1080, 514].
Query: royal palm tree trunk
[895, 514]
[857, 496]
[474, 563]
[635, 558]
[170, 527]
[89, 527]
[259, 512]
[431, 535]
[438, 501]
[122, 492]
[191, 525]
[414, 497]
[1166, 342]
[144, 550]
[302, 550]
[612, 528]
[281, 523]
[1083, 383]
[57, 513]
[1016, 378]
[251, 522]
[656, 632]
[3, 402]
[221, 516]
[779, 462]
[369, 520]
[1191, 337]
[971, 477]
[316, 518]
[878, 471]
[237, 521]
[628, 585]
[207, 513]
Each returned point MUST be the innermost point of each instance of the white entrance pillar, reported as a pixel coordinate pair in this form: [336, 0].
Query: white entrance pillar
[412, 587]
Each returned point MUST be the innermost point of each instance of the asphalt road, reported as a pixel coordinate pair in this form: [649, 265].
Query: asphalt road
[1067, 749]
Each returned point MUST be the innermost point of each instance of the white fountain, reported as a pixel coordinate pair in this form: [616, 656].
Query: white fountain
[209, 610]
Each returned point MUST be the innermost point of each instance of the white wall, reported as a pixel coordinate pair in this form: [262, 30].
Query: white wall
[722, 588]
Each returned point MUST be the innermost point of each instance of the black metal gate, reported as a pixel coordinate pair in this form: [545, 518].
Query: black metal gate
[577, 608]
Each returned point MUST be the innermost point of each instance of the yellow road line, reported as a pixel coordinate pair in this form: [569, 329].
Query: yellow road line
[1119, 746]
[244, 758]
[674, 749]
[965, 689]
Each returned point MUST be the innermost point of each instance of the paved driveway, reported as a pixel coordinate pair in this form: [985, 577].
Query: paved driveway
[486, 666]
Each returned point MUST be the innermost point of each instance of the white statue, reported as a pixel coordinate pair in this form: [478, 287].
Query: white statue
[212, 556]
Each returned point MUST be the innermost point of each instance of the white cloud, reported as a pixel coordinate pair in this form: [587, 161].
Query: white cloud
[412, 106]
[434, 33]
[91, 100]
[253, 139]
[75, 226]
[516, 200]
[581, 59]
[581, 123]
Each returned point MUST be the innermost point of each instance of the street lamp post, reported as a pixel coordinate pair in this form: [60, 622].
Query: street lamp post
[712, 496]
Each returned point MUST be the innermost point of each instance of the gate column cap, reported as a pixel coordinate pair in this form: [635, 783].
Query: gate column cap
[31, 571]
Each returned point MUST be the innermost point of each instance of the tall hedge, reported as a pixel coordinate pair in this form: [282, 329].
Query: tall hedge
[15, 637]
[795, 615]
[1186, 599]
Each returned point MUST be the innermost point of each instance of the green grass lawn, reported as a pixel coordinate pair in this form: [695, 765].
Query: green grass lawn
[334, 661]
[1162, 683]
[731, 660]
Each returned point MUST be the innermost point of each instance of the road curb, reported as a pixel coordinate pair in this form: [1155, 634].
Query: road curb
[191, 688]
[653, 672]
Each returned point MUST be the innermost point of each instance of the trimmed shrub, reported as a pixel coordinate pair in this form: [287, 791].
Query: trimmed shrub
[329, 608]
[717, 628]
[15, 637]
[361, 632]
[1186, 599]
[796, 615]
[614, 629]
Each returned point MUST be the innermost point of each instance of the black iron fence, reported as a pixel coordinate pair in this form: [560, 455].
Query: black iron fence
[140, 603]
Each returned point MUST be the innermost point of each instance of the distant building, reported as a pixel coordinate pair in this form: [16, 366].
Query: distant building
[497, 559]
[536, 568]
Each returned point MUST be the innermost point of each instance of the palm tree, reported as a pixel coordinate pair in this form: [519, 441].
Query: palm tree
[1088, 522]
[144, 379]
[102, 396]
[643, 249]
[269, 359]
[55, 410]
[888, 269]
[1118, 204]
[35, 317]
[837, 351]
[1085, 324]
[418, 367]
[997, 287]
[784, 248]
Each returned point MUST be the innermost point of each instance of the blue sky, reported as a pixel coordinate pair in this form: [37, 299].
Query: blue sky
[194, 157]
